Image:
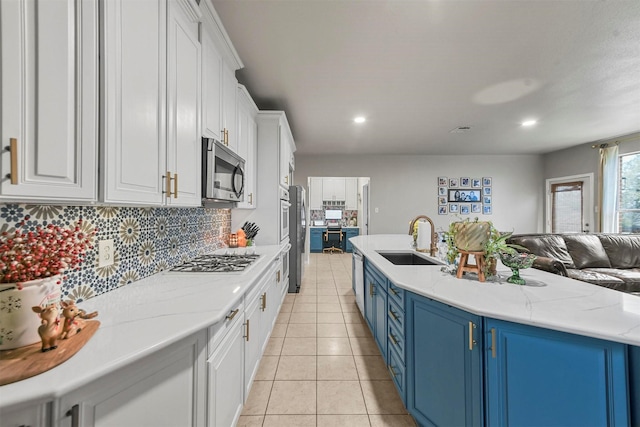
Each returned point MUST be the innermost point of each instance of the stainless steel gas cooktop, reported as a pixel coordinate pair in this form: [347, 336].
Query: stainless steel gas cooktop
[217, 263]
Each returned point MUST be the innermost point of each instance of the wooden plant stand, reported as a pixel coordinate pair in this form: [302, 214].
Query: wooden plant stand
[464, 265]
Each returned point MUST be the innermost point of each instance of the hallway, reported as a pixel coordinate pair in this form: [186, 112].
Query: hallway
[321, 366]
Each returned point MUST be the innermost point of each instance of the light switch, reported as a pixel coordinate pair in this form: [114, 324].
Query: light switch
[105, 253]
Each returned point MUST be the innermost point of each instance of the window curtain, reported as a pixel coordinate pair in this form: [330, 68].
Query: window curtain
[609, 165]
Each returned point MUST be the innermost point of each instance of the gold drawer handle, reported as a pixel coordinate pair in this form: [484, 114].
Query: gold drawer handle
[233, 314]
[175, 186]
[472, 342]
[393, 339]
[393, 371]
[13, 152]
[493, 343]
[392, 314]
[247, 325]
[393, 291]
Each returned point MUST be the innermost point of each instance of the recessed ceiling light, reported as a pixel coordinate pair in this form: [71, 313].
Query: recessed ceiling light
[360, 119]
[529, 122]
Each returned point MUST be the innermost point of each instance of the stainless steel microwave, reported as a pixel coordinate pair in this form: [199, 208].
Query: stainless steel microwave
[222, 173]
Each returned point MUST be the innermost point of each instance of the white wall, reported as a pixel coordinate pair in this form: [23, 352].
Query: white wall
[404, 186]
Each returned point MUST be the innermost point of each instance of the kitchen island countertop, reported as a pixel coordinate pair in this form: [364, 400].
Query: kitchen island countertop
[547, 300]
[139, 319]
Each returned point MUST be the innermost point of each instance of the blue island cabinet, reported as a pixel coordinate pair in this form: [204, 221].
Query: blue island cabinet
[444, 364]
[540, 377]
[349, 233]
[315, 239]
[375, 305]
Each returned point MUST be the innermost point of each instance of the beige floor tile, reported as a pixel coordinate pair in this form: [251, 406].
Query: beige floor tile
[279, 330]
[301, 330]
[344, 299]
[283, 317]
[334, 346]
[306, 299]
[297, 368]
[350, 307]
[343, 421]
[304, 308]
[289, 421]
[329, 308]
[382, 397]
[292, 398]
[267, 368]
[274, 346]
[391, 421]
[327, 291]
[358, 330]
[299, 347]
[286, 308]
[335, 330]
[354, 317]
[308, 291]
[258, 398]
[340, 397]
[371, 368]
[303, 318]
[290, 298]
[326, 284]
[250, 421]
[365, 346]
[330, 318]
[344, 291]
[336, 368]
[328, 299]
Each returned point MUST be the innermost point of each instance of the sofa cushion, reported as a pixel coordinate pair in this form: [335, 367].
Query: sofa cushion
[630, 277]
[597, 278]
[587, 251]
[623, 250]
[545, 245]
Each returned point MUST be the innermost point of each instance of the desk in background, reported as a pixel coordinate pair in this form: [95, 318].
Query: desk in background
[316, 235]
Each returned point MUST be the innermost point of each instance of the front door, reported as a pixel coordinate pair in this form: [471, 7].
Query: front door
[570, 204]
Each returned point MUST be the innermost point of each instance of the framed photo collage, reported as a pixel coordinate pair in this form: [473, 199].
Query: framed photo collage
[465, 196]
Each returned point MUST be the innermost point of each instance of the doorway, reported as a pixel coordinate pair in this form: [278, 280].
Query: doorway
[570, 204]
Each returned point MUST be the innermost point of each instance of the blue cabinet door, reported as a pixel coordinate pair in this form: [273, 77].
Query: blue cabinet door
[315, 235]
[380, 330]
[444, 369]
[349, 233]
[369, 303]
[539, 377]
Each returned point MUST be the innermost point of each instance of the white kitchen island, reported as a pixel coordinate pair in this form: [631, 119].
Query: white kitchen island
[174, 345]
[463, 352]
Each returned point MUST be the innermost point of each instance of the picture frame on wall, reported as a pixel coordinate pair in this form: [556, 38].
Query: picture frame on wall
[465, 182]
[443, 181]
[442, 201]
[453, 182]
[486, 191]
[442, 191]
[486, 200]
[486, 209]
[462, 195]
[476, 208]
[454, 208]
[486, 181]
[464, 209]
[442, 210]
[476, 183]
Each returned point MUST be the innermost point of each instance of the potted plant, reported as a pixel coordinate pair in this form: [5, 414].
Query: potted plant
[32, 264]
[466, 235]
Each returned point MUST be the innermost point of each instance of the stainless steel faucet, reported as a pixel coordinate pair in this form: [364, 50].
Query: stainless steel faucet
[434, 237]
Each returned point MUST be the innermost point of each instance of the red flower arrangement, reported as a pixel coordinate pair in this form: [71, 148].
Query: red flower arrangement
[45, 252]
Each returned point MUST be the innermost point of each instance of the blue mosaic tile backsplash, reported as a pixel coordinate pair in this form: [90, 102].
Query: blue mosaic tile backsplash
[146, 240]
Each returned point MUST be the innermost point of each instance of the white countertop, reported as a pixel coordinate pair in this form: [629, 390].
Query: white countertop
[139, 319]
[547, 300]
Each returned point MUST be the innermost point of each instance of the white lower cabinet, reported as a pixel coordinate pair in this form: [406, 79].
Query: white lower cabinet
[226, 378]
[30, 416]
[164, 389]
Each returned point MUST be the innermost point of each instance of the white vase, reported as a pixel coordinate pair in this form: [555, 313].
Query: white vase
[18, 323]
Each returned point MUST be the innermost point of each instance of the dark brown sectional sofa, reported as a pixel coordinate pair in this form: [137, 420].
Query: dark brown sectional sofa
[610, 260]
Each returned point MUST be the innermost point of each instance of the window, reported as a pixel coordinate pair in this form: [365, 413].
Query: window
[629, 197]
[567, 207]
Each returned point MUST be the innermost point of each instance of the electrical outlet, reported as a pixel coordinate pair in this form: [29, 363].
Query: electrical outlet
[105, 253]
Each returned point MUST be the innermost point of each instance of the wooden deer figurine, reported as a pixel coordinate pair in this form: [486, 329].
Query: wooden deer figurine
[74, 319]
[49, 330]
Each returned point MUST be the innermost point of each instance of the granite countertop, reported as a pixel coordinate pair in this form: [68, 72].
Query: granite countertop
[547, 300]
[138, 319]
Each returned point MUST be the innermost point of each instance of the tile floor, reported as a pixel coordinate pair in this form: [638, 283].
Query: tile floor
[321, 366]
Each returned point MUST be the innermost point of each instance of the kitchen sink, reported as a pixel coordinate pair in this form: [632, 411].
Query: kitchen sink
[407, 258]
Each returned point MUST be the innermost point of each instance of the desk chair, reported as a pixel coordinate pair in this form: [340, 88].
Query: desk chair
[332, 238]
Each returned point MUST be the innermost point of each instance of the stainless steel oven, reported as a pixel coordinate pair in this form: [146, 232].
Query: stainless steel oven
[285, 205]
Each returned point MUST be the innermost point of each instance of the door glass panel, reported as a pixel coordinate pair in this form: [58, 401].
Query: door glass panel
[629, 200]
[566, 211]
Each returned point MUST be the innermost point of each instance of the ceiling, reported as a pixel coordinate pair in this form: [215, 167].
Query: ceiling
[419, 69]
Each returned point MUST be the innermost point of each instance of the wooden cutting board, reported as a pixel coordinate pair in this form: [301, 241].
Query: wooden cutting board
[29, 361]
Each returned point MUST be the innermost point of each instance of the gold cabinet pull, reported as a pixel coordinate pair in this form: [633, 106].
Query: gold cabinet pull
[175, 186]
[393, 371]
[278, 276]
[286, 179]
[167, 184]
[250, 198]
[371, 290]
[263, 301]
[393, 291]
[232, 314]
[247, 325]
[393, 339]
[393, 315]
[493, 343]
[13, 152]
[472, 342]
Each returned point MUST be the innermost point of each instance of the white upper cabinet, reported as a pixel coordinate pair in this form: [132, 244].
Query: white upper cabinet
[183, 106]
[229, 108]
[247, 145]
[49, 100]
[351, 193]
[333, 189]
[151, 65]
[315, 193]
[286, 149]
[211, 87]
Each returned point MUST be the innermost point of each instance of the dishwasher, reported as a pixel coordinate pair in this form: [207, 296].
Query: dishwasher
[358, 279]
